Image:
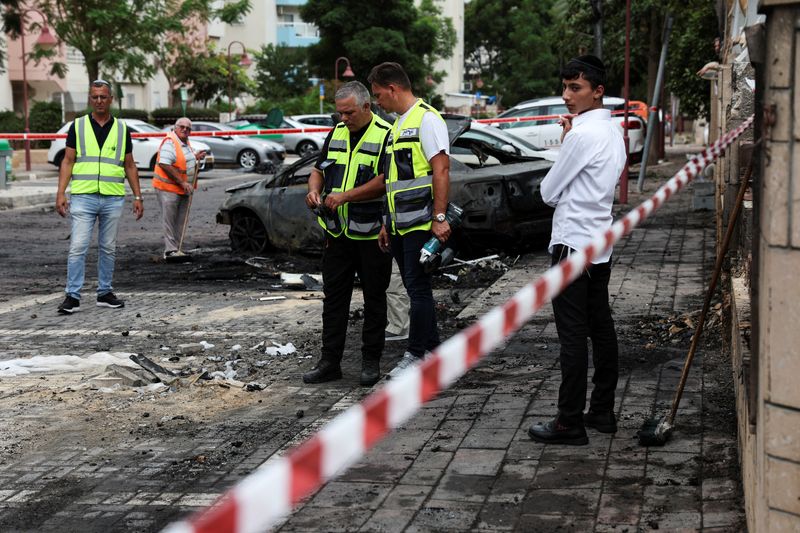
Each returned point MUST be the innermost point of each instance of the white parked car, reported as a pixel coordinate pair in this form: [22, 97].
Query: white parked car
[299, 143]
[321, 120]
[475, 147]
[144, 150]
[547, 133]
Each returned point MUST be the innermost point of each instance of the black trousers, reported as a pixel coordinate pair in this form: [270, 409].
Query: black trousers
[582, 311]
[341, 260]
[423, 333]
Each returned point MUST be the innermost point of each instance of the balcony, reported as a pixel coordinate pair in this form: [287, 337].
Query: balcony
[297, 34]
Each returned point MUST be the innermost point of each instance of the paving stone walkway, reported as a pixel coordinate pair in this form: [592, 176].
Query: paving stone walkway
[464, 463]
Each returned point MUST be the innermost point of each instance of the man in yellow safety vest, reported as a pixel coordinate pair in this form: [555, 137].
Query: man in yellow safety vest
[346, 188]
[417, 188]
[97, 159]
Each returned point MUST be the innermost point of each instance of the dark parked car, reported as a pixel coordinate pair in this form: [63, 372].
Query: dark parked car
[503, 206]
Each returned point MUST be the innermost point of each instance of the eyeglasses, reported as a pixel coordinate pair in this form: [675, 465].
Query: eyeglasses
[187, 128]
[100, 83]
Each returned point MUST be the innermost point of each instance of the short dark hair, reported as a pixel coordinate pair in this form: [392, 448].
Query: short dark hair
[590, 67]
[389, 73]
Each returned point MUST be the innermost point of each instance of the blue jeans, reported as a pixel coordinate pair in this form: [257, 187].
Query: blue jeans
[423, 334]
[84, 210]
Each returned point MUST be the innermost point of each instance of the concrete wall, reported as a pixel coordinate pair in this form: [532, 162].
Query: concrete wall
[767, 371]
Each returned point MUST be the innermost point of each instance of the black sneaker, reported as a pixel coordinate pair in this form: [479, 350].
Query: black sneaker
[69, 305]
[602, 421]
[109, 300]
[553, 432]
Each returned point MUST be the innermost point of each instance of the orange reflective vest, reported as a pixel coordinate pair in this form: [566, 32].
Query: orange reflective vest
[160, 179]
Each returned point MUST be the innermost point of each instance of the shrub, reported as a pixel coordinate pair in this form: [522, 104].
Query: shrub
[10, 122]
[45, 117]
[139, 114]
[297, 105]
[168, 115]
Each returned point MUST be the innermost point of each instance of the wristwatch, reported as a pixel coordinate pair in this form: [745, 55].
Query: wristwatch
[135, 198]
[440, 217]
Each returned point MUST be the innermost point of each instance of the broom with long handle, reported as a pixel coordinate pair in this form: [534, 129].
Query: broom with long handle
[656, 431]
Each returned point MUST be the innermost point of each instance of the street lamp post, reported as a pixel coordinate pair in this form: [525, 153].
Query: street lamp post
[348, 72]
[244, 61]
[45, 41]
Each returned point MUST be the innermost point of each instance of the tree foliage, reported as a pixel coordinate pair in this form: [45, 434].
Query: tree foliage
[507, 44]
[520, 56]
[281, 72]
[368, 33]
[208, 75]
[120, 39]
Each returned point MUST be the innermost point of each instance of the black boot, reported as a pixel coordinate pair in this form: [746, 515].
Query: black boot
[370, 372]
[553, 432]
[602, 421]
[324, 371]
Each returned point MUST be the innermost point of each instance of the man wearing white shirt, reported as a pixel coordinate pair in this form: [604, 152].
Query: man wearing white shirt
[581, 186]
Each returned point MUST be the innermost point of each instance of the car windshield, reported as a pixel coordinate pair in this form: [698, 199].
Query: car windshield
[504, 138]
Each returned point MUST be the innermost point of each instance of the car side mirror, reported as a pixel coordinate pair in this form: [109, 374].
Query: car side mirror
[508, 149]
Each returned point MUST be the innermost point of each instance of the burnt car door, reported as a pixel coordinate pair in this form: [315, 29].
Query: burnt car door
[290, 223]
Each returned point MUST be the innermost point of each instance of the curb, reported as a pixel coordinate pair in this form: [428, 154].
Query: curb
[20, 197]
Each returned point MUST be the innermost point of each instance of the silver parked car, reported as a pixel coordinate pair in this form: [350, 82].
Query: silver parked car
[299, 143]
[246, 151]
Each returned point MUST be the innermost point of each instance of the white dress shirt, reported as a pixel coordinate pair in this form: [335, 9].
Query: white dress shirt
[581, 183]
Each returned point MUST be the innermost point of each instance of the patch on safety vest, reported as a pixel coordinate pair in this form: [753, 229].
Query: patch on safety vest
[409, 132]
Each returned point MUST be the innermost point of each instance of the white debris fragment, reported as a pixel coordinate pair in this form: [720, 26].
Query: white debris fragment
[63, 363]
[271, 298]
[206, 345]
[451, 276]
[229, 372]
[280, 349]
[236, 347]
[165, 348]
[259, 345]
[261, 363]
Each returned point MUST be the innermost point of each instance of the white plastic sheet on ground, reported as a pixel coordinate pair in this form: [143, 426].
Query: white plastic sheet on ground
[64, 363]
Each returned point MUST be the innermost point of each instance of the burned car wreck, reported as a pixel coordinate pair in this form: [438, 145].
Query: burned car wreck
[501, 200]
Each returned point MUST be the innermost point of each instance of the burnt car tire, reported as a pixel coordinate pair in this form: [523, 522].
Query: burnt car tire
[247, 159]
[248, 234]
[305, 147]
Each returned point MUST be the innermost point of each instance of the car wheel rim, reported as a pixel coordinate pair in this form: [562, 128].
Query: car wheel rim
[305, 149]
[248, 159]
[248, 234]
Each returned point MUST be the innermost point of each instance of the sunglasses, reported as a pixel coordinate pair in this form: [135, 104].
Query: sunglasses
[100, 83]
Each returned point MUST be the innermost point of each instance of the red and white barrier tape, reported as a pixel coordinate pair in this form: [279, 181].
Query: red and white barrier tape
[229, 133]
[266, 496]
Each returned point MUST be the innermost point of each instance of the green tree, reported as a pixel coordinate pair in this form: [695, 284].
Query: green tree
[209, 73]
[121, 38]
[281, 72]
[368, 33]
[508, 44]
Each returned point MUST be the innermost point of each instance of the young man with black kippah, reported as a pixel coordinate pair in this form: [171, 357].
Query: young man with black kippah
[581, 186]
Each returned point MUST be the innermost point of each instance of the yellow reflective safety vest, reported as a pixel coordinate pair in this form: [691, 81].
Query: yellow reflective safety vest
[99, 170]
[409, 176]
[347, 167]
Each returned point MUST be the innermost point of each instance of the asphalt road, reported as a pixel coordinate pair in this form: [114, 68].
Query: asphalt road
[34, 243]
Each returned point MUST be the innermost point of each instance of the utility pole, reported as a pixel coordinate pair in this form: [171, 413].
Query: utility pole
[597, 15]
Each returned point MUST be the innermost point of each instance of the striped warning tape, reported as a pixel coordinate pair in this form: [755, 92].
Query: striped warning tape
[266, 496]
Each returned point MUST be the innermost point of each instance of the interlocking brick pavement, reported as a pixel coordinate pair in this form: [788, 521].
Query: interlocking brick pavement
[464, 462]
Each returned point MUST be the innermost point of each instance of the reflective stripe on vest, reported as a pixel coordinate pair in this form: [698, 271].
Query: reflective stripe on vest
[99, 170]
[349, 167]
[161, 180]
[409, 176]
